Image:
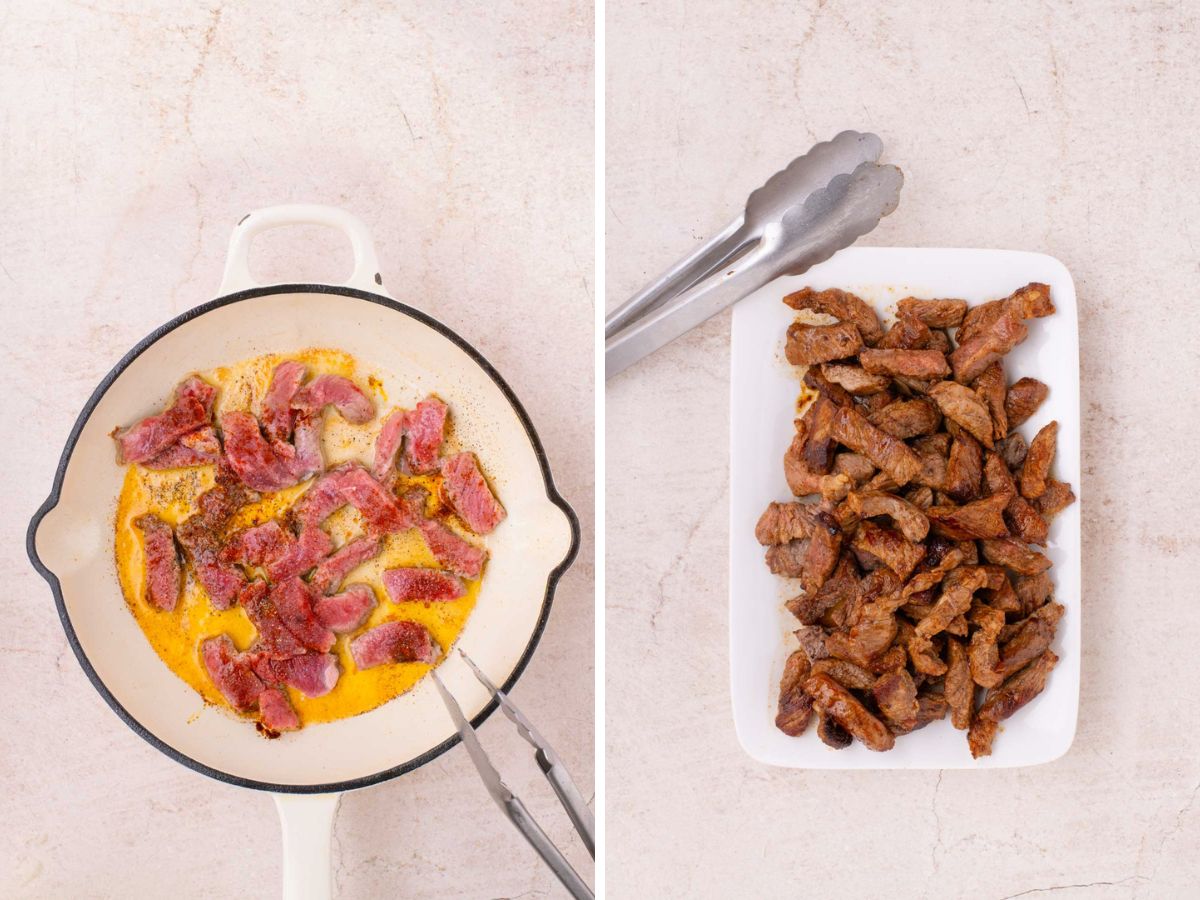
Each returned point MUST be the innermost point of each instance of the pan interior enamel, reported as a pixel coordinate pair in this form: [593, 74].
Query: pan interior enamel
[75, 538]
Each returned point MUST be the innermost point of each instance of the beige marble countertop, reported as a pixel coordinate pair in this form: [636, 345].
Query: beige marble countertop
[1065, 128]
[132, 137]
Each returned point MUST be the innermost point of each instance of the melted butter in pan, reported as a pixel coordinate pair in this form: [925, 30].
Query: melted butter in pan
[171, 494]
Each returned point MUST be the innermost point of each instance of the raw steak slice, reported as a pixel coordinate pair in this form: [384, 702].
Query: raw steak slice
[190, 409]
[300, 554]
[275, 711]
[231, 672]
[422, 584]
[312, 674]
[164, 577]
[387, 445]
[295, 603]
[451, 550]
[379, 508]
[469, 494]
[323, 498]
[277, 415]
[274, 639]
[341, 393]
[393, 642]
[334, 569]
[348, 610]
[256, 462]
[196, 448]
[256, 546]
[425, 428]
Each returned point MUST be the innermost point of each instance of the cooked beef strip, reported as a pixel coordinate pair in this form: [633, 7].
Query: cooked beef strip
[923, 364]
[960, 689]
[930, 708]
[842, 305]
[908, 333]
[889, 546]
[866, 640]
[1005, 700]
[812, 641]
[1033, 591]
[1023, 399]
[873, 403]
[855, 379]
[984, 652]
[824, 551]
[964, 471]
[896, 695]
[854, 466]
[886, 452]
[925, 579]
[787, 559]
[972, 356]
[801, 479]
[1013, 450]
[832, 734]
[937, 444]
[978, 519]
[845, 673]
[1031, 637]
[834, 700]
[963, 405]
[1036, 468]
[940, 341]
[992, 389]
[1030, 302]
[819, 445]
[920, 496]
[911, 521]
[808, 345]
[908, 418]
[893, 657]
[841, 586]
[795, 706]
[934, 313]
[1014, 555]
[957, 589]
[1057, 497]
[826, 388]
[1020, 516]
[783, 522]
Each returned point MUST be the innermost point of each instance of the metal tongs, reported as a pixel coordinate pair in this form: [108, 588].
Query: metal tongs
[821, 202]
[551, 766]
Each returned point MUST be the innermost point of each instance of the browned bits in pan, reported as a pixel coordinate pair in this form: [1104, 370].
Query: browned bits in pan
[916, 502]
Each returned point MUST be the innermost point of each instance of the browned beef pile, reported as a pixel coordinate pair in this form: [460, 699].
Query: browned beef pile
[921, 595]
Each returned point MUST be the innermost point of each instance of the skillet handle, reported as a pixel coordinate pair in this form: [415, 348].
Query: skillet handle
[307, 821]
[365, 275]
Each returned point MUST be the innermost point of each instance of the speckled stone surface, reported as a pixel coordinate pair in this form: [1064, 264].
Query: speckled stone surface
[132, 137]
[1066, 128]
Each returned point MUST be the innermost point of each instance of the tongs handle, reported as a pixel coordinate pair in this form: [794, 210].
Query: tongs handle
[568, 795]
[689, 271]
[687, 310]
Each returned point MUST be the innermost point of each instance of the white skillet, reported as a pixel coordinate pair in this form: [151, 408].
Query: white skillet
[70, 539]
